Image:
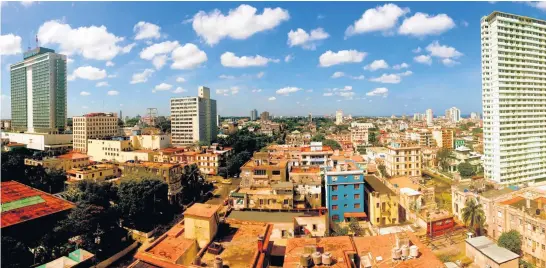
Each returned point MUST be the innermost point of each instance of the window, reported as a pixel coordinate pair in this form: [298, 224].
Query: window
[334, 188]
[377, 205]
[315, 228]
[334, 197]
[377, 220]
[345, 196]
[286, 201]
[259, 172]
[335, 218]
[334, 207]
[261, 201]
[357, 196]
[276, 172]
[334, 178]
[356, 205]
[357, 186]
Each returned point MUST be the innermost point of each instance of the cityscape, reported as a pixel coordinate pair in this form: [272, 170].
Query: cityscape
[273, 134]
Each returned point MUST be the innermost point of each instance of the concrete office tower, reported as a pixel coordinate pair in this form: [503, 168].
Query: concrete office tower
[254, 115]
[193, 119]
[514, 98]
[453, 114]
[339, 117]
[264, 116]
[38, 92]
[429, 117]
[93, 126]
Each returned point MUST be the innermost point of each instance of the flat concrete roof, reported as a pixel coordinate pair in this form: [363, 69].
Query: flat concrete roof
[264, 216]
[488, 248]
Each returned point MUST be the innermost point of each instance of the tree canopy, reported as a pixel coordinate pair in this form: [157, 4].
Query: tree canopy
[443, 156]
[332, 143]
[466, 169]
[511, 240]
[474, 216]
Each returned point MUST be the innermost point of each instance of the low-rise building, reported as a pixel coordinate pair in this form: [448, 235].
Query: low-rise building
[359, 133]
[65, 162]
[485, 253]
[263, 170]
[403, 160]
[307, 187]
[119, 149]
[344, 186]
[41, 141]
[316, 155]
[171, 173]
[201, 223]
[274, 197]
[382, 202]
[99, 172]
[152, 141]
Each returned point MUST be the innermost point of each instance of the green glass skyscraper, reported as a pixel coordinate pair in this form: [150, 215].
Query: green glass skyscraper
[38, 92]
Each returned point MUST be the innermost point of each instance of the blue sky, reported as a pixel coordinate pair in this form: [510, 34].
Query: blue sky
[371, 58]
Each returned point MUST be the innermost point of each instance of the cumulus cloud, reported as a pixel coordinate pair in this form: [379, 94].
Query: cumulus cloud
[188, 56]
[159, 61]
[141, 77]
[380, 91]
[102, 84]
[287, 90]
[10, 44]
[109, 64]
[162, 48]
[229, 59]
[381, 18]
[406, 73]
[180, 79]
[342, 74]
[449, 62]
[272, 98]
[91, 42]
[422, 24]
[179, 90]
[387, 79]
[338, 74]
[330, 58]
[256, 90]
[442, 51]
[146, 30]
[306, 40]
[403, 65]
[88, 73]
[260, 75]
[424, 59]
[113, 93]
[417, 50]
[376, 65]
[162, 87]
[239, 23]
[84, 93]
[288, 58]
[227, 92]
[224, 76]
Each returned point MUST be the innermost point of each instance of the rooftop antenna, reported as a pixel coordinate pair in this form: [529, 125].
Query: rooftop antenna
[36, 41]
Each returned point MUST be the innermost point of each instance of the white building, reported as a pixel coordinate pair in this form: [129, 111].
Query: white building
[514, 98]
[453, 114]
[359, 133]
[93, 126]
[40, 141]
[429, 117]
[193, 119]
[474, 116]
[339, 117]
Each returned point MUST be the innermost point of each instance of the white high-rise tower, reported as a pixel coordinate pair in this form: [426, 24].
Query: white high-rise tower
[514, 98]
[194, 119]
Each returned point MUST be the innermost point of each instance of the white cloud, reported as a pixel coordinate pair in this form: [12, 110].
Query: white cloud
[159, 61]
[141, 77]
[227, 92]
[464, 23]
[102, 84]
[223, 76]
[422, 24]
[345, 88]
[346, 94]
[188, 56]
[288, 58]
[449, 62]
[338, 74]
[179, 90]
[260, 75]
[376, 65]
[306, 40]
[328, 94]
[89, 73]
[180, 79]
[112, 75]
[239, 23]
[360, 77]
[10, 44]
[158, 49]
[287, 90]
[387, 79]
[330, 58]
[84, 107]
[109, 64]
[403, 65]
[424, 59]
[91, 42]
[113, 93]
[69, 60]
[84, 93]
[309, 90]
[381, 18]
[27, 3]
[146, 30]
[380, 91]
[406, 73]
[538, 4]
[442, 51]
[256, 90]
[126, 49]
[272, 98]
[162, 87]
[229, 59]
[417, 50]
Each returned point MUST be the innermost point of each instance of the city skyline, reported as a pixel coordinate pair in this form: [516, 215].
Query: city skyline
[142, 60]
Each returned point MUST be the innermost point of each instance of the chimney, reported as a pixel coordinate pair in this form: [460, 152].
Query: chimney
[260, 243]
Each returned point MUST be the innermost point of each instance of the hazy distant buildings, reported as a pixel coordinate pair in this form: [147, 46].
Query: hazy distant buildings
[38, 92]
[339, 117]
[193, 119]
[474, 116]
[429, 117]
[253, 115]
[264, 116]
[513, 93]
[453, 115]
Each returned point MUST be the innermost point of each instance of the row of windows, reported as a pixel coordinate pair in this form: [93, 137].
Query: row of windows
[335, 188]
[355, 196]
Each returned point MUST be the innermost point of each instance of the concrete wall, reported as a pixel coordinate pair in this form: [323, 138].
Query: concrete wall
[39, 141]
[341, 186]
[482, 261]
[201, 229]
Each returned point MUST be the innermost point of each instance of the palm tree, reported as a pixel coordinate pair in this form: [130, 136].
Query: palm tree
[474, 216]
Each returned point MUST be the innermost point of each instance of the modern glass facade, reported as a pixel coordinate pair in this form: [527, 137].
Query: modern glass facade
[38, 92]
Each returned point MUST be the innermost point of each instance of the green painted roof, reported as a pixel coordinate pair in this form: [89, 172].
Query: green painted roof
[28, 201]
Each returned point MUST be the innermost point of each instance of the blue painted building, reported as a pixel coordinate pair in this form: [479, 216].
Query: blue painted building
[345, 196]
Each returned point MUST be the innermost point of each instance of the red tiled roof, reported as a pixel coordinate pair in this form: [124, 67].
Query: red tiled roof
[512, 201]
[73, 155]
[14, 191]
[325, 148]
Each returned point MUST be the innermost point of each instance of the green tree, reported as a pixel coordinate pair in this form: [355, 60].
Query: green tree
[372, 137]
[332, 143]
[131, 122]
[382, 169]
[194, 186]
[318, 137]
[355, 227]
[15, 253]
[474, 216]
[337, 230]
[511, 240]
[466, 169]
[443, 156]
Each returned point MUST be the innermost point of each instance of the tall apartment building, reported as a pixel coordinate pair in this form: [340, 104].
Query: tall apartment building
[193, 119]
[339, 117]
[253, 115]
[38, 92]
[445, 137]
[514, 98]
[264, 116]
[93, 126]
[403, 160]
[359, 133]
[344, 186]
[453, 114]
[429, 117]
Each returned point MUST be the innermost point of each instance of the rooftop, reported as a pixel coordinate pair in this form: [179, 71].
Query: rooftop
[338, 247]
[263, 216]
[73, 155]
[93, 168]
[149, 164]
[311, 169]
[404, 182]
[22, 203]
[377, 185]
[488, 248]
[325, 148]
[201, 210]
